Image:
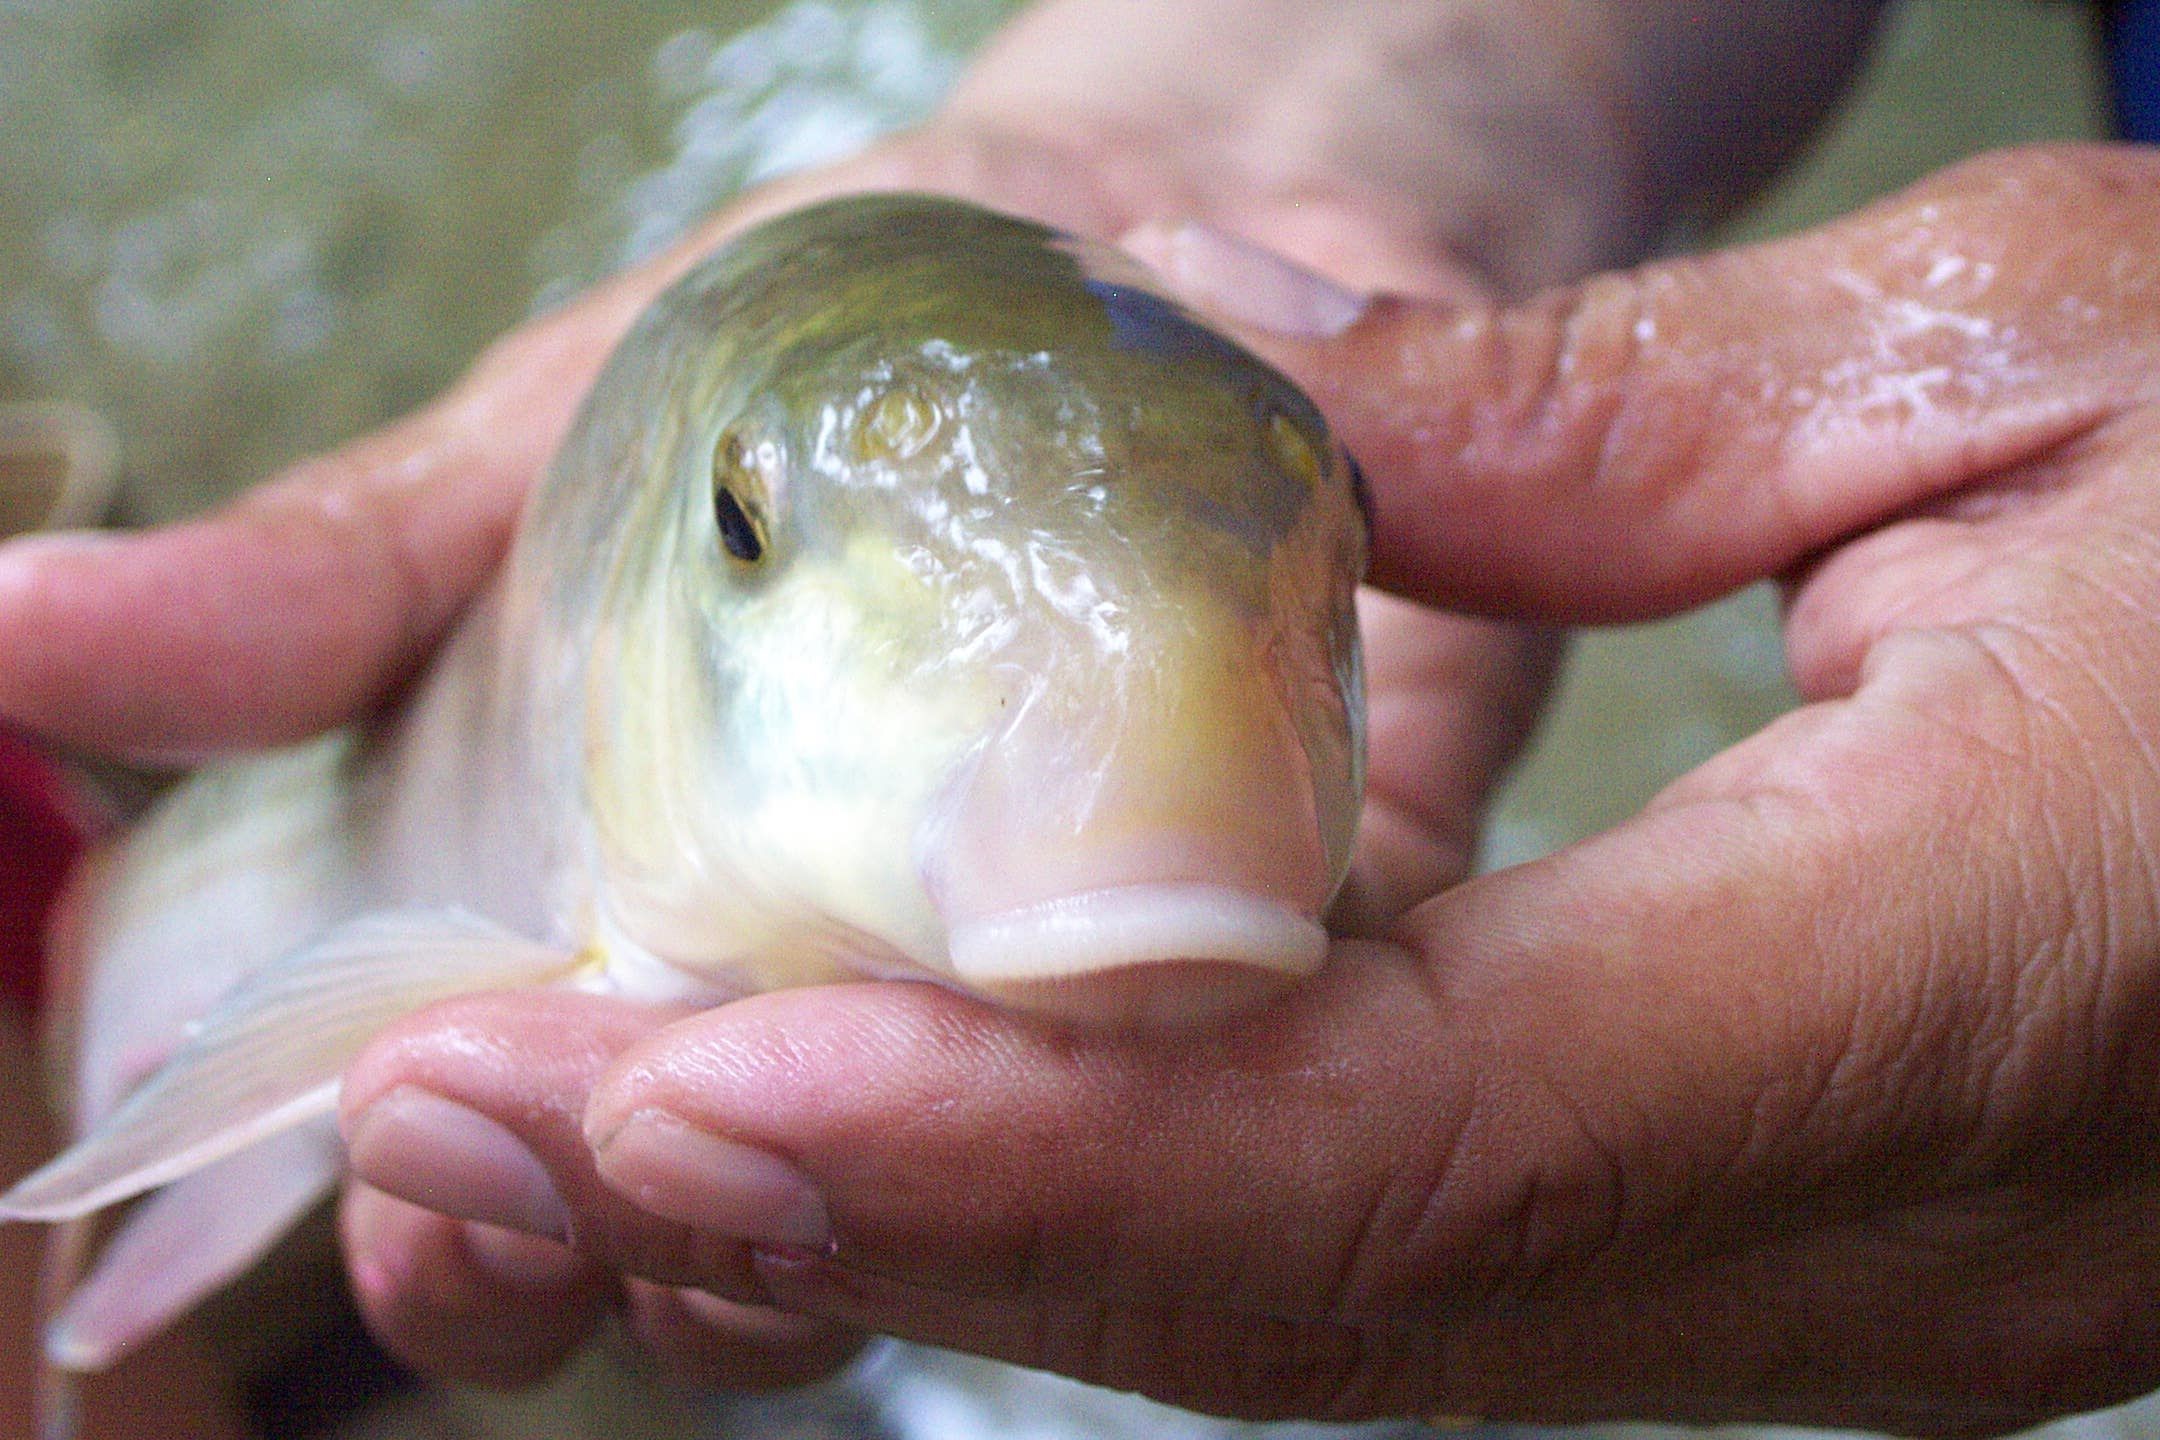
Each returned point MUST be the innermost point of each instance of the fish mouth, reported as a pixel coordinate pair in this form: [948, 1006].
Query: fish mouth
[1145, 841]
[1143, 953]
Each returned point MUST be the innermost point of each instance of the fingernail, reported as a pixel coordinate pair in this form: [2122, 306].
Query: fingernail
[23, 559]
[521, 1261]
[707, 1308]
[758, 1324]
[670, 1169]
[30, 548]
[456, 1162]
[1240, 282]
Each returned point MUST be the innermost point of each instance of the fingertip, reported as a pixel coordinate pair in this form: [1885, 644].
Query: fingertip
[278, 617]
[457, 1161]
[706, 1339]
[506, 1051]
[466, 1302]
[824, 1049]
[470, 1108]
[1240, 282]
[304, 602]
[520, 1262]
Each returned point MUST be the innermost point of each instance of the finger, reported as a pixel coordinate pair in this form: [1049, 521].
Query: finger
[684, 1206]
[474, 1110]
[313, 597]
[468, 1302]
[498, 1148]
[1643, 441]
[840, 1120]
[1449, 701]
[706, 1340]
[496, 1152]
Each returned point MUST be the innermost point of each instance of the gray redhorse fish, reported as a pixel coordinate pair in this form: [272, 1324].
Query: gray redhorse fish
[918, 594]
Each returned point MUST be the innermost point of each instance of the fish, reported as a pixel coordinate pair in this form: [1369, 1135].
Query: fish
[920, 593]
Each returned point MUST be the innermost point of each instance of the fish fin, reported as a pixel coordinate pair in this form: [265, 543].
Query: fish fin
[57, 1393]
[59, 1403]
[241, 864]
[188, 1240]
[269, 1056]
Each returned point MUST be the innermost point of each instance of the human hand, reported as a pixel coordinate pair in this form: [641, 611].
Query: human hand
[311, 601]
[308, 602]
[1825, 1089]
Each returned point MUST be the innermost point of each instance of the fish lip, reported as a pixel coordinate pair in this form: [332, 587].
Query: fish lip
[1123, 927]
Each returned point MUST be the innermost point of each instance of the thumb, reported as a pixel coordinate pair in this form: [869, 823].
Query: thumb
[1643, 441]
[310, 599]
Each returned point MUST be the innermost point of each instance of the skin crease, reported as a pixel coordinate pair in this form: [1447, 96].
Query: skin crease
[1823, 1090]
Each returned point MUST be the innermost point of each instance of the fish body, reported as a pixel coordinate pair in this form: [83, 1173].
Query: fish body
[919, 593]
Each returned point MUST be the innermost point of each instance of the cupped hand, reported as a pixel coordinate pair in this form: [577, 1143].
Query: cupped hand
[1826, 1089]
[310, 600]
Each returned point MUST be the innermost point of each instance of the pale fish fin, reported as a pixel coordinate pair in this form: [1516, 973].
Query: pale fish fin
[188, 1240]
[59, 1403]
[57, 1397]
[268, 1057]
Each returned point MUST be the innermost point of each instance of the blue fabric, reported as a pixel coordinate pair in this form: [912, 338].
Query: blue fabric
[2134, 55]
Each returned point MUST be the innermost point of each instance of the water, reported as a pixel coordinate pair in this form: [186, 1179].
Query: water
[246, 229]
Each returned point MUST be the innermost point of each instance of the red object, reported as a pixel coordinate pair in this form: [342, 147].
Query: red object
[43, 829]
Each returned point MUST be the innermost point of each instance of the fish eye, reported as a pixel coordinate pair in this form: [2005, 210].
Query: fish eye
[739, 497]
[1293, 450]
[897, 425]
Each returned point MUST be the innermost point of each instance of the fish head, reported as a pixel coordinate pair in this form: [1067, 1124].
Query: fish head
[1001, 624]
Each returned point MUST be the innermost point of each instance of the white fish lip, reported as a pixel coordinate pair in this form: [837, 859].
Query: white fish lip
[1071, 937]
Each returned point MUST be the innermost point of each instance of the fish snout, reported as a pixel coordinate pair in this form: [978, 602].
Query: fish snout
[1149, 841]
